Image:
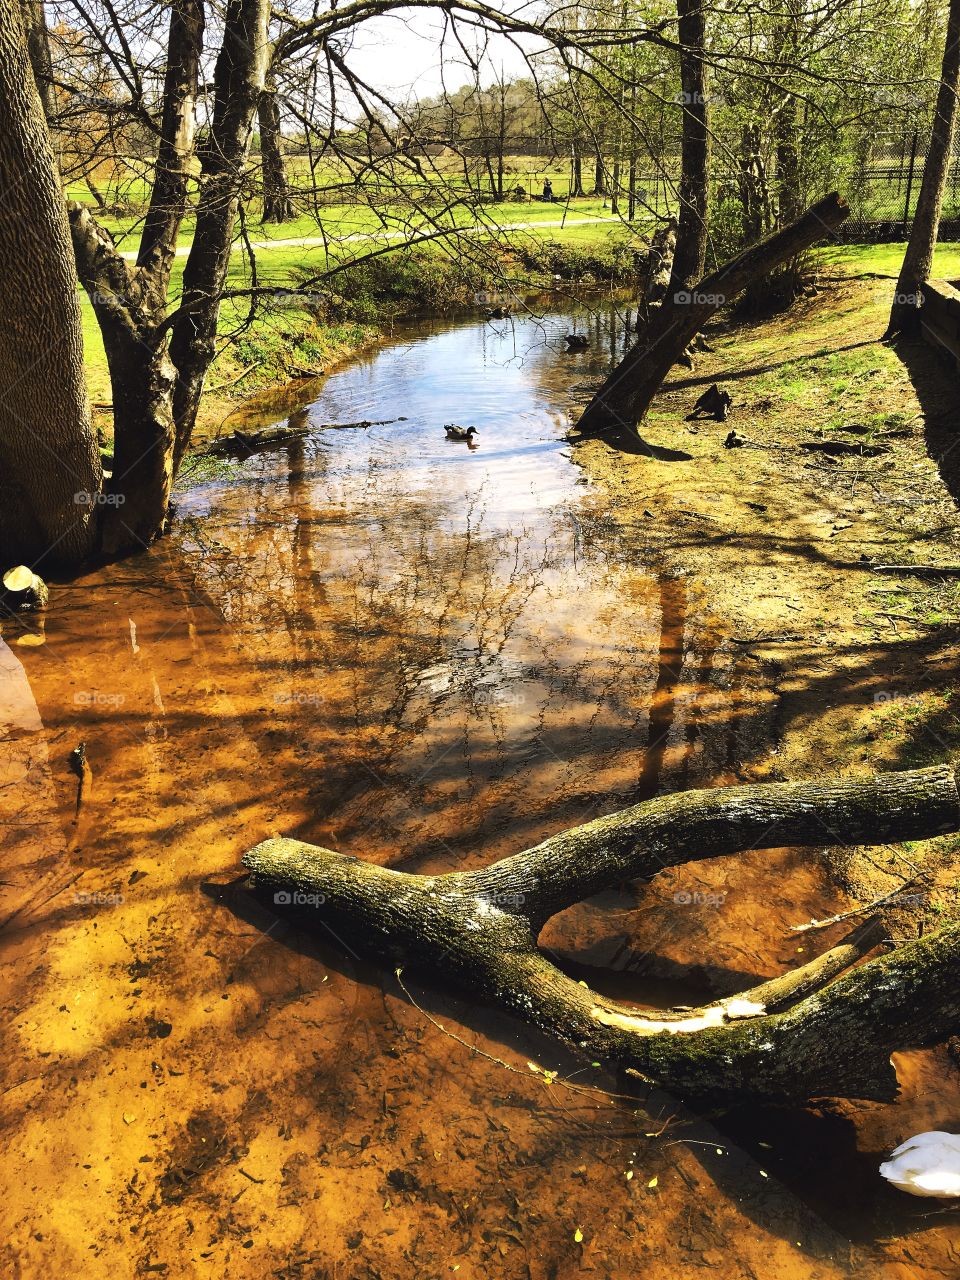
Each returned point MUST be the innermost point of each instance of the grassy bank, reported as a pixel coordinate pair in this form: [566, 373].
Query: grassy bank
[289, 334]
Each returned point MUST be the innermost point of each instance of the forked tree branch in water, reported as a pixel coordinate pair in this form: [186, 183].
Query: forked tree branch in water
[808, 1034]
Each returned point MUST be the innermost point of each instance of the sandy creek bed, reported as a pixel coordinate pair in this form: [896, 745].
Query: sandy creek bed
[428, 656]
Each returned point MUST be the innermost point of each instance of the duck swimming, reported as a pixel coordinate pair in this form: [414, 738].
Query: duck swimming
[459, 433]
[577, 342]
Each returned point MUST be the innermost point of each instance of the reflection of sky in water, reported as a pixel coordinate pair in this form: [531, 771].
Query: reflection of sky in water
[500, 637]
[508, 378]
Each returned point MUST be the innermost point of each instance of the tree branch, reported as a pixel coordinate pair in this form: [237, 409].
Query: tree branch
[793, 1037]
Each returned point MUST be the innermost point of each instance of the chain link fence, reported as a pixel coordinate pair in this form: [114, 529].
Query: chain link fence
[882, 191]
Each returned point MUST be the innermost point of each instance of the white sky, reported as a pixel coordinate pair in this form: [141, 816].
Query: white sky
[402, 53]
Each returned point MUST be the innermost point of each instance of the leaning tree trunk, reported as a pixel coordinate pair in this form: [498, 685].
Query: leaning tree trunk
[623, 399]
[918, 259]
[239, 79]
[799, 1036]
[690, 255]
[49, 464]
[277, 205]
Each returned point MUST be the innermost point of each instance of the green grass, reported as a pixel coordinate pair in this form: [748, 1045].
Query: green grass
[884, 260]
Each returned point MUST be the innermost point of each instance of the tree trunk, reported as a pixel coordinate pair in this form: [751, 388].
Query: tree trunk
[141, 378]
[690, 257]
[168, 200]
[38, 50]
[239, 79]
[623, 399]
[49, 465]
[277, 205]
[130, 304]
[918, 259]
[599, 176]
[751, 181]
[576, 183]
[790, 1039]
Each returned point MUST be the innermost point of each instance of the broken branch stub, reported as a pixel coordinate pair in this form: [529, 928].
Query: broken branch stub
[23, 589]
[807, 1034]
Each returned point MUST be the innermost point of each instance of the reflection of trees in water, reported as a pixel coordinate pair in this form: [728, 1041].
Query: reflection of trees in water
[446, 684]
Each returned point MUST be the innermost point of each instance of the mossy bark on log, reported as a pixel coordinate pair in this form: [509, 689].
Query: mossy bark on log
[480, 929]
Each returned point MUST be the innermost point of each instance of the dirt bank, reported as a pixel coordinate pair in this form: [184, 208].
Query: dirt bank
[778, 539]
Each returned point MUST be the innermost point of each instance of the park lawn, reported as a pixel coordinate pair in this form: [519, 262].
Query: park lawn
[294, 333]
[885, 259]
[339, 221]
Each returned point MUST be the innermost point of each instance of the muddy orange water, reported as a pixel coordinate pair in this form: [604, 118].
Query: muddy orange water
[427, 655]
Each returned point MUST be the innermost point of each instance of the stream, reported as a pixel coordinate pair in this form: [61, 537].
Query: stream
[427, 654]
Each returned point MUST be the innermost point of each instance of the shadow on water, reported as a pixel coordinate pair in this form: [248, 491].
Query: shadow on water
[430, 657]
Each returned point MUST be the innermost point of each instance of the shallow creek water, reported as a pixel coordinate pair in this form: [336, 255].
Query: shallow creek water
[428, 655]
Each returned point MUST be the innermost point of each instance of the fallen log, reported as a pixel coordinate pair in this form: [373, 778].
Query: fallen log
[807, 1034]
[621, 403]
[243, 444]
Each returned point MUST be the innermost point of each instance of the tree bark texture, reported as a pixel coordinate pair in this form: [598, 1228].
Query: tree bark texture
[808, 1034]
[49, 463]
[277, 204]
[690, 257]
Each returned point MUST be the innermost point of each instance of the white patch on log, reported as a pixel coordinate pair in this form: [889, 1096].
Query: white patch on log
[715, 1016]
